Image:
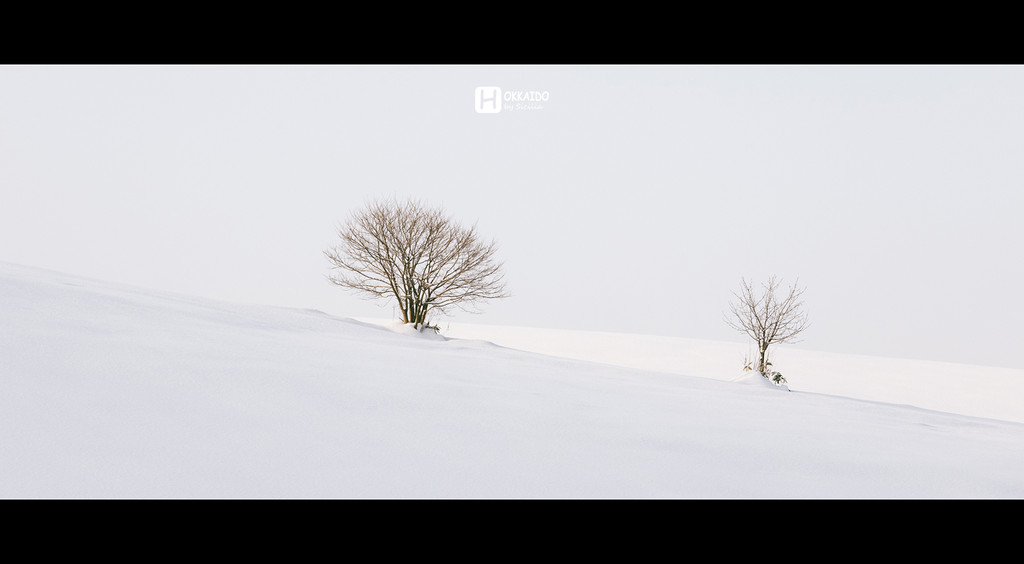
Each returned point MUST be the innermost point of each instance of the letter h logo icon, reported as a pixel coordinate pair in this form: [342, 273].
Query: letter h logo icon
[487, 100]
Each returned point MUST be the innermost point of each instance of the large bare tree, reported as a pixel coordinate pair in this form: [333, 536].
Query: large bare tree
[776, 315]
[416, 256]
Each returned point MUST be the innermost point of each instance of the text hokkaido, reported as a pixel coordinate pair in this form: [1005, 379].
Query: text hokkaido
[526, 96]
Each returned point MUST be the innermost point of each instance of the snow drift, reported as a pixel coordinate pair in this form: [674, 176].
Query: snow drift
[117, 392]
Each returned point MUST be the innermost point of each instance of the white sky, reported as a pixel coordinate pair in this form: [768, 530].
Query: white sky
[633, 200]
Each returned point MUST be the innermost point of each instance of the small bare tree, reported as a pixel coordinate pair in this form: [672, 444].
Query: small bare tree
[416, 256]
[769, 318]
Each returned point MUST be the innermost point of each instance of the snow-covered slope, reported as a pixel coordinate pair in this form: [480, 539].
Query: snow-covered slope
[116, 392]
[983, 391]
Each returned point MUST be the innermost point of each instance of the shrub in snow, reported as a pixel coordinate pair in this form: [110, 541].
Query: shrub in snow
[772, 375]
